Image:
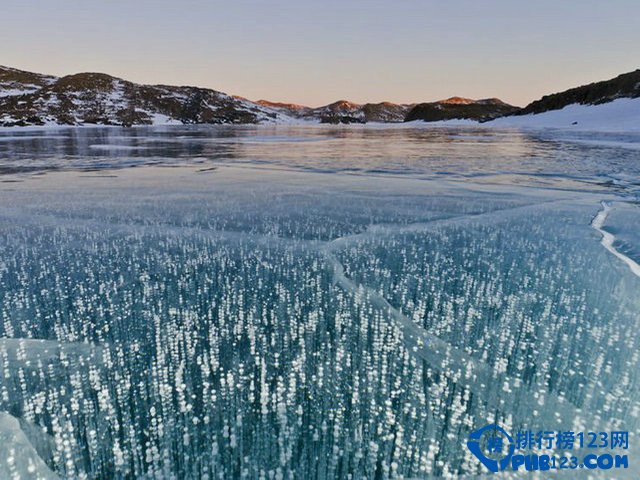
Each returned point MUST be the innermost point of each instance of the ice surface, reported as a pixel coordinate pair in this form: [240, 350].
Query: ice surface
[259, 317]
[19, 459]
[445, 153]
[609, 239]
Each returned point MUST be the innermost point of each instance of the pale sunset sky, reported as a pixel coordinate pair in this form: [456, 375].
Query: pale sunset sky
[315, 52]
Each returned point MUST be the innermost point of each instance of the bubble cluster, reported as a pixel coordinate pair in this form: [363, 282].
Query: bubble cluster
[260, 341]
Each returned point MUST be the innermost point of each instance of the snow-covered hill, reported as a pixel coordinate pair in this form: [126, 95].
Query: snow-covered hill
[28, 99]
[620, 115]
[626, 85]
[608, 105]
[344, 111]
[17, 82]
[458, 108]
[96, 98]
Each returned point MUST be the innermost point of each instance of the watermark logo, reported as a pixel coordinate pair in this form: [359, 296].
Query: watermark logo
[488, 444]
[498, 450]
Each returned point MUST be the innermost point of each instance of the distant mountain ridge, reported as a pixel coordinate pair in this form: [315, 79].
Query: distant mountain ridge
[343, 111]
[98, 98]
[460, 108]
[291, 109]
[28, 98]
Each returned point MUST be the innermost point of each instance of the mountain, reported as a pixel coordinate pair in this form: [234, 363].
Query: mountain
[343, 111]
[626, 85]
[96, 98]
[291, 109]
[460, 108]
[28, 98]
[17, 82]
[610, 105]
[619, 115]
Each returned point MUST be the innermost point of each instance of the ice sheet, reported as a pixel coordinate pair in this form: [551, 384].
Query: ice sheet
[251, 319]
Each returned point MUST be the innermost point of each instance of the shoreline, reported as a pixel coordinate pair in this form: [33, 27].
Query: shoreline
[416, 124]
[621, 115]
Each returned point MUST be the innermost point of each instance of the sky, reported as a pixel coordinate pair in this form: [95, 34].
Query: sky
[316, 52]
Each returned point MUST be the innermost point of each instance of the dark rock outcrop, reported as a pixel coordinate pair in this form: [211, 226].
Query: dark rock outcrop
[343, 112]
[625, 85]
[460, 108]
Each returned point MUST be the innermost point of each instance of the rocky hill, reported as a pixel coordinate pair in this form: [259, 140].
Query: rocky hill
[17, 82]
[460, 108]
[291, 109]
[96, 98]
[626, 85]
[344, 112]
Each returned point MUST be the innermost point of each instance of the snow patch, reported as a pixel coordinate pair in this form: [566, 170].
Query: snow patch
[161, 119]
[620, 115]
[14, 92]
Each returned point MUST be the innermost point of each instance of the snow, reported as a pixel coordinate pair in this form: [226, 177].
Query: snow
[620, 115]
[160, 119]
[12, 92]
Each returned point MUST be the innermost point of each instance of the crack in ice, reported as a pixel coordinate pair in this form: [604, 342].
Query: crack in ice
[481, 378]
[608, 239]
[495, 389]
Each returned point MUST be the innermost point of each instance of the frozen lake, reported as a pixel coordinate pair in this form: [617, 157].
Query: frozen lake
[319, 302]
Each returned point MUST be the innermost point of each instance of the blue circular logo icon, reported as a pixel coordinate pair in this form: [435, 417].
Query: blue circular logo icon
[493, 446]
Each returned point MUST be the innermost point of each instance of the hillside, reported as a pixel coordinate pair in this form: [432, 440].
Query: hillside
[626, 85]
[291, 109]
[97, 98]
[619, 115]
[460, 108]
[18, 82]
[343, 111]
[33, 99]
[609, 105]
